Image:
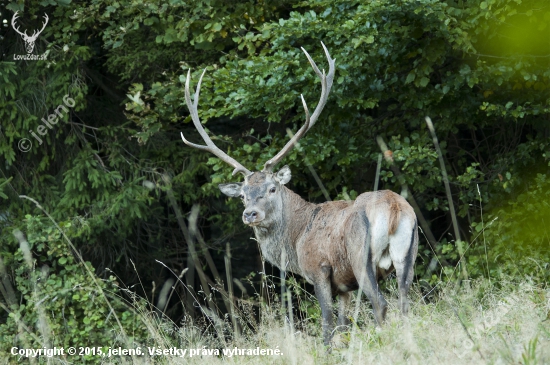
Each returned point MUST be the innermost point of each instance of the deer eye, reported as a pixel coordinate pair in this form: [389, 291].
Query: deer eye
[241, 196]
[272, 190]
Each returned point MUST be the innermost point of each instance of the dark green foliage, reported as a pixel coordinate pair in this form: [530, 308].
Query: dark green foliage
[60, 304]
[516, 234]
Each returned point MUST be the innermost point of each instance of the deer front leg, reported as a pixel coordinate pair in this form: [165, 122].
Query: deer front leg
[323, 292]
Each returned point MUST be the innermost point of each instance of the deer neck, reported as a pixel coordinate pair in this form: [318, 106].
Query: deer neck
[278, 241]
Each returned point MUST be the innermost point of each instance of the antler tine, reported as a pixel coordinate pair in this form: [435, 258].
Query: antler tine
[46, 23]
[326, 82]
[16, 28]
[326, 85]
[290, 144]
[36, 33]
[210, 146]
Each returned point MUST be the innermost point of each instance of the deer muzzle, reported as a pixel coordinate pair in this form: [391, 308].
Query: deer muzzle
[252, 216]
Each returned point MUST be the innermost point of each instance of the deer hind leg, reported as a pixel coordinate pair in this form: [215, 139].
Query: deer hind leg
[369, 284]
[365, 273]
[403, 249]
[343, 307]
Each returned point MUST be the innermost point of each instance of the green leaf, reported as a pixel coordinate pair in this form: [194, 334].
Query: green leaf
[410, 77]
[16, 6]
[424, 81]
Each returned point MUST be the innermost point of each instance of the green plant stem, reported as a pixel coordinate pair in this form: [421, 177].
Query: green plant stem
[227, 259]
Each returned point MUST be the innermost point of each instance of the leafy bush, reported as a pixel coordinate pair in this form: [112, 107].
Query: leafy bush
[57, 301]
[515, 235]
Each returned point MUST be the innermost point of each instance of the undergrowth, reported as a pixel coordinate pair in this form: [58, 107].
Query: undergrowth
[497, 322]
[56, 300]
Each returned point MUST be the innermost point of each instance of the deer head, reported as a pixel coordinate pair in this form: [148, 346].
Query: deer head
[29, 40]
[261, 191]
[261, 196]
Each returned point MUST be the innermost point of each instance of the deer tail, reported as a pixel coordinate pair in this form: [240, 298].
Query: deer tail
[395, 214]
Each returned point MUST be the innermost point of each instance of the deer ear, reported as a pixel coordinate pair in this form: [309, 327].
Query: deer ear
[283, 175]
[232, 190]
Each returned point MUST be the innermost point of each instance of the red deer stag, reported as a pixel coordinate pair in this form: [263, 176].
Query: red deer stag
[337, 246]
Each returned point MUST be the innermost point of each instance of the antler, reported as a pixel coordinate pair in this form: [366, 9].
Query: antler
[25, 35]
[210, 146]
[17, 28]
[326, 85]
[35, 33]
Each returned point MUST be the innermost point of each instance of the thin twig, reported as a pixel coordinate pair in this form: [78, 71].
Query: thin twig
[227, 259]
[378, 166]
[449, 196]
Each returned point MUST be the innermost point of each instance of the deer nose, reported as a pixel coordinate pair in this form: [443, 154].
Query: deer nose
[250, 216]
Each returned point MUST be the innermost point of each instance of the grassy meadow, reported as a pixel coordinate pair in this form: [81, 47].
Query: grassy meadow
[478, 322]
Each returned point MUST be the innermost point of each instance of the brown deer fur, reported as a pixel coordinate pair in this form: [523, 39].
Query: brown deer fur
[337, 246]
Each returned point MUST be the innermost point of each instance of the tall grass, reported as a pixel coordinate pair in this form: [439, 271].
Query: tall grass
[487, 322]
[503, 322]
